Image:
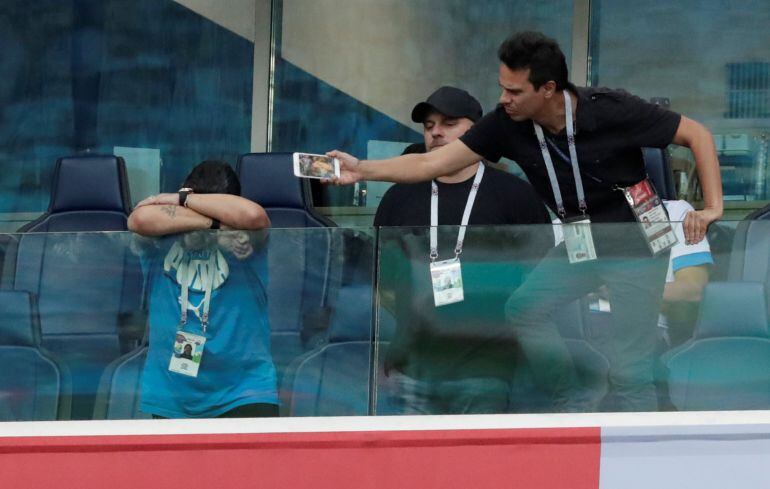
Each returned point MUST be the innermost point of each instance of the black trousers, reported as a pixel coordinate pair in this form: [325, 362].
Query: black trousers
[636, 291]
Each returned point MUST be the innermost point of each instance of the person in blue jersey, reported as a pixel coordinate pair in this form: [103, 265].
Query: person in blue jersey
[205, 270]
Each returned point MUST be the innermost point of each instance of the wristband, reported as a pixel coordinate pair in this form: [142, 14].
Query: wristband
[183, 194]
[214, 223]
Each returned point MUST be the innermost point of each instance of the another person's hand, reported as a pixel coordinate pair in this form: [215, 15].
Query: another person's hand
[159, 199]
[696, 224]
[236, 242]
[349, 172]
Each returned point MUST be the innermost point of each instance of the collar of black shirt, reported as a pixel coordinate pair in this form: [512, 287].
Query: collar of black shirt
[586, 121]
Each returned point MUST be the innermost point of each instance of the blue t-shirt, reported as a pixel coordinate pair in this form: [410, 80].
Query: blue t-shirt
[236, 367]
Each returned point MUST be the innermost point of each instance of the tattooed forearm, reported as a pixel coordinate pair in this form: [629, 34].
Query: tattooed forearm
[170, 210]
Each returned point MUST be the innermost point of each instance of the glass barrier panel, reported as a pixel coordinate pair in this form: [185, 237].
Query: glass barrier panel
[92, 324]
[289, 328]
[535, 333]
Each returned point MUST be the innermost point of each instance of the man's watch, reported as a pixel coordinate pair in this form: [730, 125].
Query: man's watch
[183, 193]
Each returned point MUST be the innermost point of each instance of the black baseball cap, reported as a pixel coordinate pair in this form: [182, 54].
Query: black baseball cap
[450, 101]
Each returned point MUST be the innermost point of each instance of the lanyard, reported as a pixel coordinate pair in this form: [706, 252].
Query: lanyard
[466, 215]
[185, 286]
[573, 160]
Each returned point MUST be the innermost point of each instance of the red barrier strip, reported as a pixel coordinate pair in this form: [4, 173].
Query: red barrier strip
[551, 457]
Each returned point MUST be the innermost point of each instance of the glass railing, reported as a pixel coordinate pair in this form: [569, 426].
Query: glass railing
[92, 324]
[333, 321]
[536, 333]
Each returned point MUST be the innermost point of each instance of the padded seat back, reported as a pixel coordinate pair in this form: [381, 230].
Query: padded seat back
[762, 214]
[33, 384]
[727, 363]
[89, 193]
[351, 320]
[335, 379]
[721, 374]
[750, 254]
[303, 276]
[119, 395]
[658, 166]
[269, 180]
[85, 282]
[750, 257]
[8, 247]
[732, 309]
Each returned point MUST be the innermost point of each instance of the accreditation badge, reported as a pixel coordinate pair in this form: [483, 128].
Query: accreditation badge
[188, 352]
[579, 240]
[447, 280]
[648, 210]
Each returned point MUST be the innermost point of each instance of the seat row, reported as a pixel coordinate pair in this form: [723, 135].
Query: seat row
[86, 342]
[85, 288]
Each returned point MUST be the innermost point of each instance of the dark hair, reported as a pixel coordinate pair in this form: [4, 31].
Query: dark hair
[540, 54]
[213, 177]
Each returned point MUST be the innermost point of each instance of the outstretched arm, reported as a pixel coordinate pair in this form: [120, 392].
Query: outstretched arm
[696, 137]
[406, 168]
[161, 214]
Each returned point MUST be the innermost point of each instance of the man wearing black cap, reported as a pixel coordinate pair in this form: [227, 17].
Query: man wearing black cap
[438, 362]
[445, 116]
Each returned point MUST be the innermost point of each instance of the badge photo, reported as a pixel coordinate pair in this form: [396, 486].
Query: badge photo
[650, 213]
[187, 355]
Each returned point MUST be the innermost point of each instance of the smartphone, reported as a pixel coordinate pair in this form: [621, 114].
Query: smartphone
[315, 166]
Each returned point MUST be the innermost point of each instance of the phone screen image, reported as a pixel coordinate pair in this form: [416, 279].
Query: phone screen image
[315, 166]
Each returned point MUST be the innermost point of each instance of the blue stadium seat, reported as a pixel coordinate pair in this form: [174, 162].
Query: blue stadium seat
[750, 257]
[268, 179]
[8, 247]
[93, 184]
[119, 394]
[336, 379]
[658, 166]
[34, 385]
[303, 272]
[86, 283]
[762, 214]
[727, 363]
[732, 309]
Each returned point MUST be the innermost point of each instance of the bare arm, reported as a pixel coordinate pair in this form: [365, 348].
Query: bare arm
[695, 136]
[160, 214]
[163, 219]
[232, 210]
[688, 284]
[407, 168]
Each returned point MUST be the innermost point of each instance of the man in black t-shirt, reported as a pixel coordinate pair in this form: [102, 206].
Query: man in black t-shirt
[610, 128]
[439, 362]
